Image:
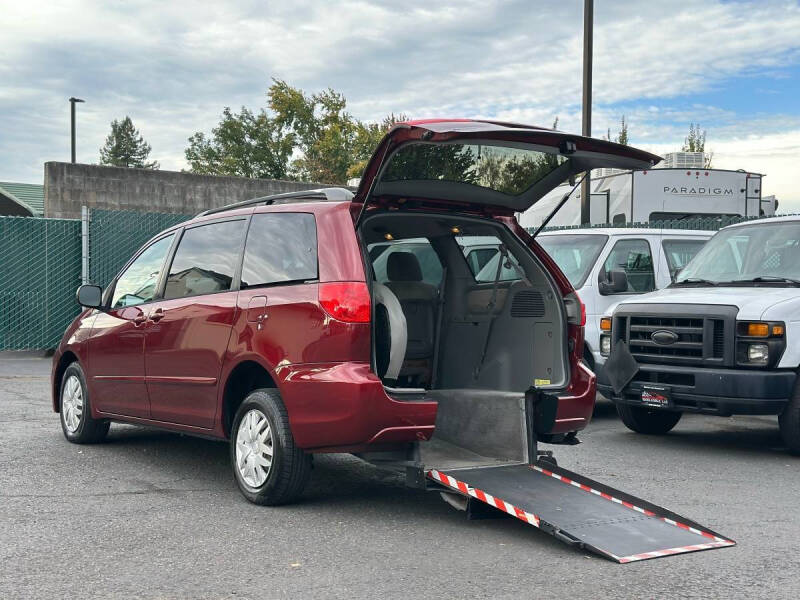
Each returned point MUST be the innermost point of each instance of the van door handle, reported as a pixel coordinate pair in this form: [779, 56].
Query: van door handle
[157, 315]
[139, 319]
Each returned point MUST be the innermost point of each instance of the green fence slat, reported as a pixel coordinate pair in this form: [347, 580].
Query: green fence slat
[40, 264]
[40, 269]
[114, 236]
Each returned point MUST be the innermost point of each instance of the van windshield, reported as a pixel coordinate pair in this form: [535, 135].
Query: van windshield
[749, 255]
[574, 254]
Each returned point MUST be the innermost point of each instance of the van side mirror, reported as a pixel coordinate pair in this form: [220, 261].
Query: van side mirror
[616, 282]
[90, 296]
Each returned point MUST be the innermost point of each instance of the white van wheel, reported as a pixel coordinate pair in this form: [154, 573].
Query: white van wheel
[645, 420]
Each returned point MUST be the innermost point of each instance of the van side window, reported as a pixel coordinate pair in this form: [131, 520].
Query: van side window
[635, 258]
[137, 284]
[206, 259]
[281, 247]
[679, 253]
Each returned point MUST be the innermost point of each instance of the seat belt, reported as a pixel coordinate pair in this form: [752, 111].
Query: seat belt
[503, 251]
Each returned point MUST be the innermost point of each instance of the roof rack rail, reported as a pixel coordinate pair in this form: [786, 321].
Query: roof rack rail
[330, 194]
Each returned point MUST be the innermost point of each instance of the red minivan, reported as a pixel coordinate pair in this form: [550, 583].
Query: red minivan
[275, 323]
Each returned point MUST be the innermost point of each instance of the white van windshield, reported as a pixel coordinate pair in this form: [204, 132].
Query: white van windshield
[753, 254]
[574, 254]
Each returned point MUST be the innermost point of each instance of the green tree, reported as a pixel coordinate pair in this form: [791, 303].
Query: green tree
[333, 145]
[368, 136]
[696, 142]
[328, 144]
[244, 145]
[622, 138]
[125, 147]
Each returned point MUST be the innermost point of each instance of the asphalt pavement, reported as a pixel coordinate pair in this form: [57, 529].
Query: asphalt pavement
[157, 515]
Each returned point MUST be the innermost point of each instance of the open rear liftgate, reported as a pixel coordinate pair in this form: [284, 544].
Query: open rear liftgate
[574, 509]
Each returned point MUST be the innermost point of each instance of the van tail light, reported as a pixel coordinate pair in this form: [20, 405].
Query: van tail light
[576, 310]
[347, 301]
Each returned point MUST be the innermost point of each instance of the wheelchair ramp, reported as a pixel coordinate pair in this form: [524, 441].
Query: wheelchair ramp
[581, 512]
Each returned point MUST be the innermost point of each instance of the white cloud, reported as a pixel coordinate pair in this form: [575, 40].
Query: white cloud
[774, 154]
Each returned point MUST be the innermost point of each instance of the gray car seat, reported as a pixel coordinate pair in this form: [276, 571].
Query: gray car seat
[418, 301]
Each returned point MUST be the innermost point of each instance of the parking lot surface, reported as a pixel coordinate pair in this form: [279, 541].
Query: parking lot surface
[153, 515]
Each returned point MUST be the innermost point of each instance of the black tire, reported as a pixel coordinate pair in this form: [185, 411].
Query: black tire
[789, 422]
[645, 420]
[290, 467]
[81, 429]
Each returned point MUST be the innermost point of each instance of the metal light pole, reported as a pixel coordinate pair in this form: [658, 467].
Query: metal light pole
[586, 127]
[72, 102]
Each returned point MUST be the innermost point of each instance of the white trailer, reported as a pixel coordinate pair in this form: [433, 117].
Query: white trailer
[657, 195]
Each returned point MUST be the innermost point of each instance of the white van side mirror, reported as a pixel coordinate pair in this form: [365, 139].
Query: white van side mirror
[616, 282]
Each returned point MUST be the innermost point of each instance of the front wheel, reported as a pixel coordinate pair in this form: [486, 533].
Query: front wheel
[268, 467]
[645, 420]
[76, 414]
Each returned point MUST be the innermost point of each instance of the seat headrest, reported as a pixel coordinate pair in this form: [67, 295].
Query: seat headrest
[403, 266]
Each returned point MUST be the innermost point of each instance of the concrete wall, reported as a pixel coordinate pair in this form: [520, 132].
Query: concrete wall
[68, 186]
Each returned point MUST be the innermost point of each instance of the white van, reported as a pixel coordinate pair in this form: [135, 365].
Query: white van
[608, 265]
[724, 339]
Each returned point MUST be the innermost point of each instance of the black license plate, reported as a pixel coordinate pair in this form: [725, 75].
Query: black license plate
[656, 396]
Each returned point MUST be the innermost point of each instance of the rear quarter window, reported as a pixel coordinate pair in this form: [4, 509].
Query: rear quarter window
[280, 248]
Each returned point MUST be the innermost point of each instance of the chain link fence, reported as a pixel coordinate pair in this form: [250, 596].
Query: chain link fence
[41, 260]
[40, 269]
[115, 235]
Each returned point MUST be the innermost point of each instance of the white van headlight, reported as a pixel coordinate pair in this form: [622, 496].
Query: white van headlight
[605, 345]
[760, 343]
[758, 354]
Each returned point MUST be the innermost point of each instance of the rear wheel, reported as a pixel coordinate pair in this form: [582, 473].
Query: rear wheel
[268, 467]
[789, 422]
[645, 420]
[76, 414]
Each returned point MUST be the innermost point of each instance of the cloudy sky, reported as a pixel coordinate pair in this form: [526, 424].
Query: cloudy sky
[172, 66]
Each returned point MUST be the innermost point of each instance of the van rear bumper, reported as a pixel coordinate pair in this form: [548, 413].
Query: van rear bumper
[344, 407]
[722, 392]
